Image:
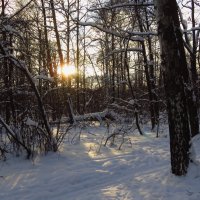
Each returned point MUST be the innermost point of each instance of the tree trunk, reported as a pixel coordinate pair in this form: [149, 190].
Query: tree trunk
[77, 60]
[193, 113]
[57, 35]
[136, 109]
[48, 54]
[68, 42]
[113, 69]
[6, 68]
[153, 107]
[175, 72]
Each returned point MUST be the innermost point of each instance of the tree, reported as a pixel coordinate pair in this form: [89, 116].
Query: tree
[47, 48]
[78, 58]
[176, 81]
[191, 46]
[149, 68]
[57, 35]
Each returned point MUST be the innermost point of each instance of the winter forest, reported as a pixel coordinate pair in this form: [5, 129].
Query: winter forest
[99, 99]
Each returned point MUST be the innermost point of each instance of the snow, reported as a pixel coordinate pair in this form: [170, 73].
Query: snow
[85, 169]
[10, 29]
[124, 50]
[44, 77]
[184, 23]
[30, 122]
[132, 102]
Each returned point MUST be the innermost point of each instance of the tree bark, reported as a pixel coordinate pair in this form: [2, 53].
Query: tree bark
[175, 72]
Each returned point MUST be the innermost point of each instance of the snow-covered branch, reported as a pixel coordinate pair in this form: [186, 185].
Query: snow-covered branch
[21, 9]
[13, 135]
[128, 35]
[21, 65]
[123, 50]
[44, 77]
[97, 116]
[124, 5]
[148, 33]
[192, 29]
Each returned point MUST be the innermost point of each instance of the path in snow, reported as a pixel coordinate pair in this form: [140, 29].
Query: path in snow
[140, 172]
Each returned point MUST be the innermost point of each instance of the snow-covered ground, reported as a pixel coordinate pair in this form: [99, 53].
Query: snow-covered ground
[86, 170]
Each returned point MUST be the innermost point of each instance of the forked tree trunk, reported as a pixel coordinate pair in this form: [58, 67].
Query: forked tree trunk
[175, 72]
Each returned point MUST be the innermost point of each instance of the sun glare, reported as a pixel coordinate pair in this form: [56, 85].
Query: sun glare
[67, 70]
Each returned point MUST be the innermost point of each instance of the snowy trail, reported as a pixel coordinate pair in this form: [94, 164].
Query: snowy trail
[140, 172]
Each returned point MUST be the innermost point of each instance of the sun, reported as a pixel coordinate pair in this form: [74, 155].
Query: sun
[67, 70]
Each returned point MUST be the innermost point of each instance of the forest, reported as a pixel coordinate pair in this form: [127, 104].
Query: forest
[99, 81]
